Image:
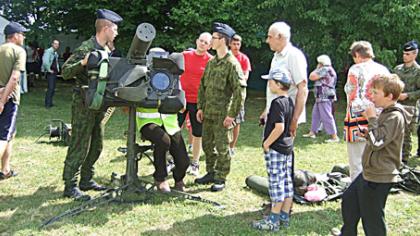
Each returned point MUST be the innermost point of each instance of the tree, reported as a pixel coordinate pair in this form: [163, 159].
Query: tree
[318, 27]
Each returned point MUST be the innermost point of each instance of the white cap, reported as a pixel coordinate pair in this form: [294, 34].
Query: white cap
[324, 60]
[278, 75]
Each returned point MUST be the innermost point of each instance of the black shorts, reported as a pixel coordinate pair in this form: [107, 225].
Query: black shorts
[197, 127]
[8, 121]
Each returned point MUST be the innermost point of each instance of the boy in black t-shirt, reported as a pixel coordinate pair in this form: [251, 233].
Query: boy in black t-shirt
[278, 147]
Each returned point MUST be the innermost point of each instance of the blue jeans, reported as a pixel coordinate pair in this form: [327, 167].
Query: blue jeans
[51, 79]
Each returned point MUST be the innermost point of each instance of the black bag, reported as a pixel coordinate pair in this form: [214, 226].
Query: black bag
[410, 179]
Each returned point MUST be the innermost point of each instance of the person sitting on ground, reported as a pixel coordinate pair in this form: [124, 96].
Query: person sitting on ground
[278, 148]
[366, 197]
[325, 79]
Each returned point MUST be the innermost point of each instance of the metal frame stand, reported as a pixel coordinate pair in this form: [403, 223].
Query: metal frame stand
[132, 188]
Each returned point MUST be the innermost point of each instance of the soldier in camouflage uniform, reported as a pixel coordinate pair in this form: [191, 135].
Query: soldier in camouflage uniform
[87, 131]
[409, 72]
[219, 102]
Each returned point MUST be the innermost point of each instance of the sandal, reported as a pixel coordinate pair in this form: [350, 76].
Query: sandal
[11, 173]
[309, 135]
[266, 224]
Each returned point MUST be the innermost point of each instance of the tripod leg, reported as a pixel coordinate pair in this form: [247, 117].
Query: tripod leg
[131, 169]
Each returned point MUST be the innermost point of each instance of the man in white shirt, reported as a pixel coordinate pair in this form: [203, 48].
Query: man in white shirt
[291, 60]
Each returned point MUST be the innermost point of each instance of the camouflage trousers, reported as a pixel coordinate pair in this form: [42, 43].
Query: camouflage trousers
[216, 139]
[408, 144]
[85, 144]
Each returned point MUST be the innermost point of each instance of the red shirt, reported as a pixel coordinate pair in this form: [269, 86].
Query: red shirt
[194, 68]
[244, 61]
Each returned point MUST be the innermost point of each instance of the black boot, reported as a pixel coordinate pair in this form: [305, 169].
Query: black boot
[75, 193]
[207, 179]
[218, 185]
[418, 142]
[91, 185]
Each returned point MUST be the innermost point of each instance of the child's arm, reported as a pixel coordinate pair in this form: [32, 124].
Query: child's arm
[274, 135]
[380, 135]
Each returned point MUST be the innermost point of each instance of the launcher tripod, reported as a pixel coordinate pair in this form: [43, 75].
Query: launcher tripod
[132, 188]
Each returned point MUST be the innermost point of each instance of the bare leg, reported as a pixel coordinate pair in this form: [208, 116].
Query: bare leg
[190, 136]
[287, 204]
[277, 207]
[5, 153]
[196, 148]
[236, 130]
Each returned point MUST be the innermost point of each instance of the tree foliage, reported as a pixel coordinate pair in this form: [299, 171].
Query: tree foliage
[318, 27]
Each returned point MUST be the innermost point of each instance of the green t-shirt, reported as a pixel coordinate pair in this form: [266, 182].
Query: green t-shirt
[13, 57]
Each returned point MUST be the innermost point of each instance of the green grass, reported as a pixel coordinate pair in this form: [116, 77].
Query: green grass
[35, 194]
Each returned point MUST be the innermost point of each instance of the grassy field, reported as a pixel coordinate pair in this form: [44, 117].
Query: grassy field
[35, 194]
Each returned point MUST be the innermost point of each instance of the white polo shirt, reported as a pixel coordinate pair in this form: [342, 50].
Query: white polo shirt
[290, 59]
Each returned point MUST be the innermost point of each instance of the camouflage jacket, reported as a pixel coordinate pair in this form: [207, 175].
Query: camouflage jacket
[411, 78]
[73, 68]
[219, 94]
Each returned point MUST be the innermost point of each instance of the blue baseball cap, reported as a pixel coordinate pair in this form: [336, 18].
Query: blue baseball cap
[223, 29]
[14, 27]
[108, 15]
[278, 75]
[410, 46]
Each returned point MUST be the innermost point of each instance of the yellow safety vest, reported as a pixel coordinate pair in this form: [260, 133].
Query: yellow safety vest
[146, 116]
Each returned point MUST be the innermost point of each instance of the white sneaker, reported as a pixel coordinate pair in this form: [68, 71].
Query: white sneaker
[170, 166]
[333, 140]
[232, 152]
[194, 169]
[335, 232]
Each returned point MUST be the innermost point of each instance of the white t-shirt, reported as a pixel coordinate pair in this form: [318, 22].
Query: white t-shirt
[290, 59]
